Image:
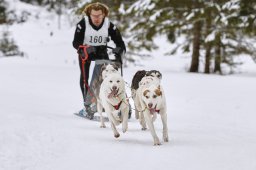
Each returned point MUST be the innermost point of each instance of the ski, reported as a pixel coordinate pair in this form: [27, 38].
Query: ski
[95, 118]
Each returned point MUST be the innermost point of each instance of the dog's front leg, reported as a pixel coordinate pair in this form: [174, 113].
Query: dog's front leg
[116, 134]
[165, 128]
[125, 113]
[142, 121]
[99, 109]
[135, 100]
[111, 116]
[151, 127]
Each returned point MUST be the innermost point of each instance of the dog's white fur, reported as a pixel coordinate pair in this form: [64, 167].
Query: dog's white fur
[112, 92]
[150, 98]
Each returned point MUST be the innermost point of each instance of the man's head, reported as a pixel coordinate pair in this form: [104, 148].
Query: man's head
[97, 12]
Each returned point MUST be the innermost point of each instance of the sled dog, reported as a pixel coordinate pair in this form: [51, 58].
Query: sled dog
[149, 101]
[139, 75]
[105, 70]
[112, 98]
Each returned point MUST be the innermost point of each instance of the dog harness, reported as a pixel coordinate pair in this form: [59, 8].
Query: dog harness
[118, 105]
[157, 111]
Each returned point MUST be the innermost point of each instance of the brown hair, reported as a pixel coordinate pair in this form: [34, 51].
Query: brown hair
[96, 6]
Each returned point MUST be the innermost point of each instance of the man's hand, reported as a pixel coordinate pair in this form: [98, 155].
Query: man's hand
[81, 53]
[118, 52]
[91, 51]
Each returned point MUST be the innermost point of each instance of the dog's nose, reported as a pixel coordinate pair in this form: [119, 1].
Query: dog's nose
[150, 105]
[114, 87]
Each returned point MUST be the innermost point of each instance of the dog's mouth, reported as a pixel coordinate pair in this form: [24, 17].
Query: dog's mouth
[152, 110]
[113, 93]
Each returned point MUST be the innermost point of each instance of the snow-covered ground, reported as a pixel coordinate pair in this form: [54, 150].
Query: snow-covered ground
[211, 118]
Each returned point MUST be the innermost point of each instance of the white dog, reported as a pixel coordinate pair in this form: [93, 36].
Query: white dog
[150, 101]
[105, 70]
[113, 100]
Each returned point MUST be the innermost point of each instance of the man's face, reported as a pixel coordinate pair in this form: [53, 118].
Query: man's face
[97, 17]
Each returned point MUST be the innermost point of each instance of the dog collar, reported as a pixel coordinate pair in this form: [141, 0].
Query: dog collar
[157, 111]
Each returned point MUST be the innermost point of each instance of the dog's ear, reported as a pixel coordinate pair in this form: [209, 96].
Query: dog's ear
[159, 75]
[115, 66]
[158, 91]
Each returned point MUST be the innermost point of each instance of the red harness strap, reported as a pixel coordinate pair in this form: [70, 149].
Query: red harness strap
[118, 105]
[84, 47]
[157, 111]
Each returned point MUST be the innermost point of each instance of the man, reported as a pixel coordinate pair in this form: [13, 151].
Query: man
[93, 30]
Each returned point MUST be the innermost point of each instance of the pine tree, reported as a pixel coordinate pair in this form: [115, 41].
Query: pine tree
[3, 17]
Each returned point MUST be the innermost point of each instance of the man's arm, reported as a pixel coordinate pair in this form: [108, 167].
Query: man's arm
[79, 34]
[116, 36]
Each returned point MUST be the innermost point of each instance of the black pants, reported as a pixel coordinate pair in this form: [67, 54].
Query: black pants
[86, 73]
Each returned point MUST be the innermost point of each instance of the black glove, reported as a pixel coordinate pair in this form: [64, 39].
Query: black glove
[118, 51]
[91, 51]
[80, 52]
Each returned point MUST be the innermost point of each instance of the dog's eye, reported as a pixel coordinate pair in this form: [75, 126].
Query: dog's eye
[118, 81]
[147, 97]
[154, 96]
[111, 81]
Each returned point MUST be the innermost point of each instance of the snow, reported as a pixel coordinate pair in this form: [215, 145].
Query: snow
[211, 118]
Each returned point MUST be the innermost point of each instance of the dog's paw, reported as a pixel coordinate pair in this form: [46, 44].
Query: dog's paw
[102, 126]
[143, 128]
[166, 139]
[125, 129]
[156, 142]
[117, 135]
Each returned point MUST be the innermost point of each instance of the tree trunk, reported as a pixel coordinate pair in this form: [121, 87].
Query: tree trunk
[207, 58]
[217, 61]
[196, 47]
[208, 45]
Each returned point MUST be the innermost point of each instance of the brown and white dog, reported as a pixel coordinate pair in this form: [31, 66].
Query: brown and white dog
[139, 75]
[150, 101]
[112, 98]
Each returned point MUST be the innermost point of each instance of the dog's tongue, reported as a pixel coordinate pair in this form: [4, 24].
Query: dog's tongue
[152, 110]
[113, 93]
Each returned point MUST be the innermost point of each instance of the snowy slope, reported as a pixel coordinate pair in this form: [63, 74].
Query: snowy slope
[211, 118]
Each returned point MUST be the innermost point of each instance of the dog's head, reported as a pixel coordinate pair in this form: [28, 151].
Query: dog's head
[154, 73]
[146, 81]
[152, 97]
[107, 69]
[114, 84]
